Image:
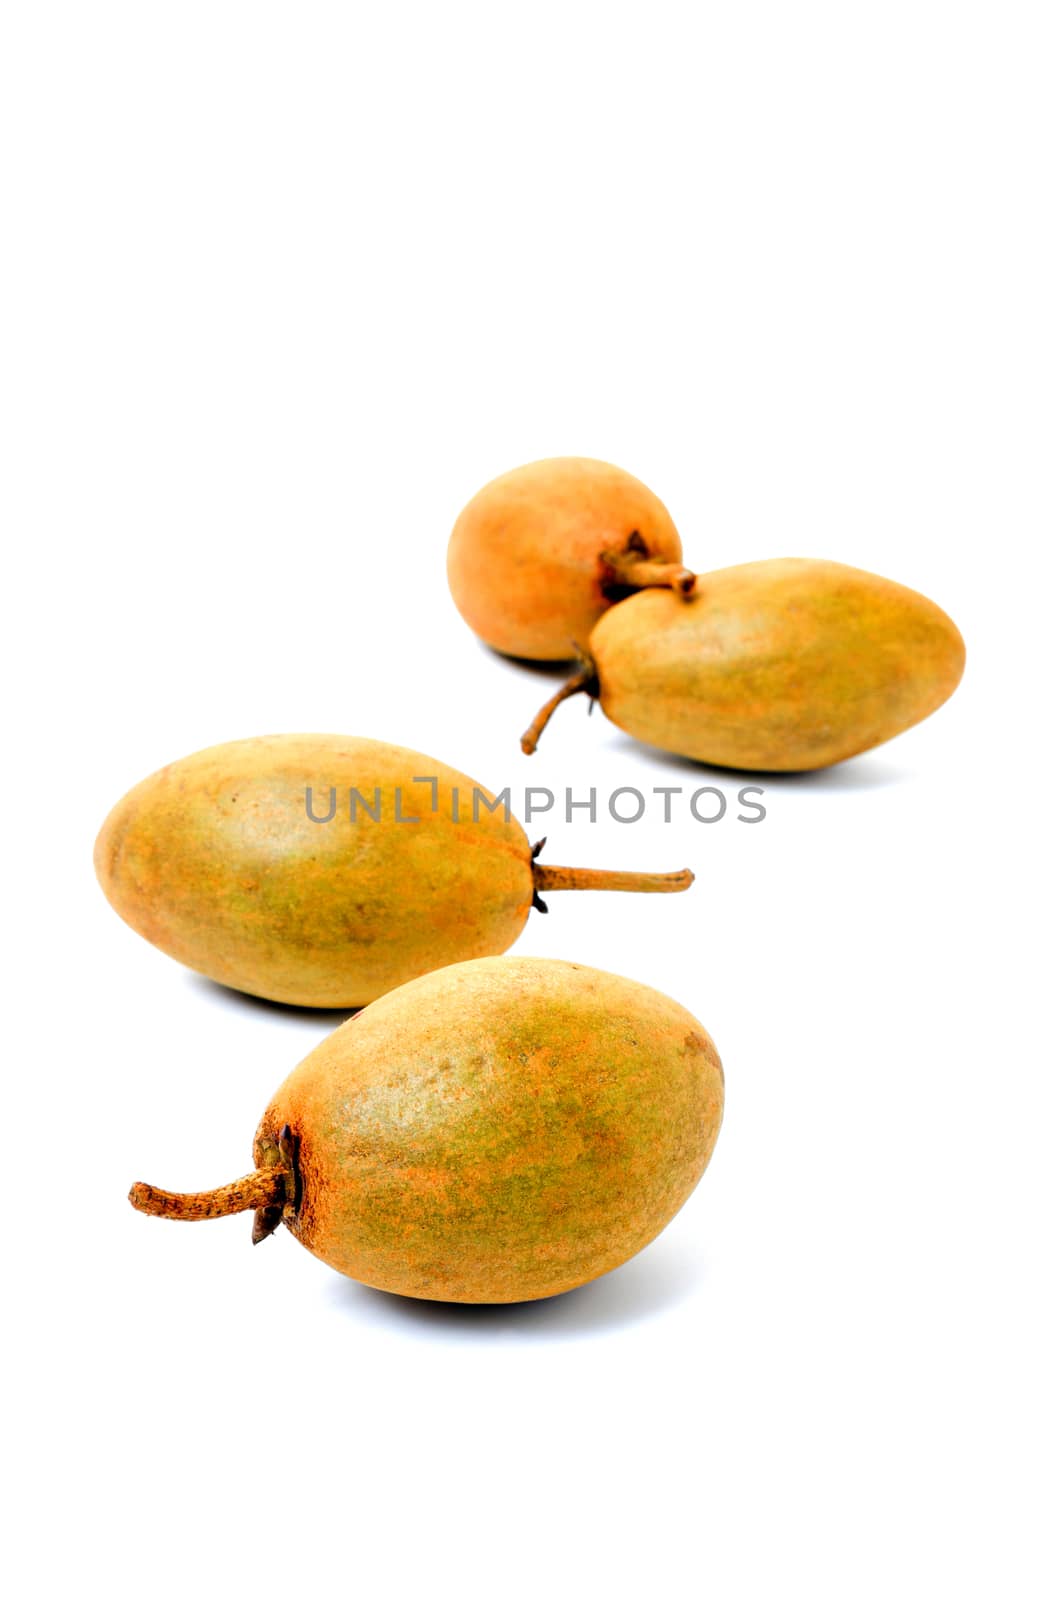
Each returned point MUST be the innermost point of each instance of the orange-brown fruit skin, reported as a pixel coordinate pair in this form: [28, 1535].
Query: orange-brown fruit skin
[525, 557]
[776, 666]
[214, 860]
[502, 1130]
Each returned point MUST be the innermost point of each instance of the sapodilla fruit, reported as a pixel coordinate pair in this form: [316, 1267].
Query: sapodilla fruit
[541, 552]
[774, 666]
[504, 1129]
[218, 860]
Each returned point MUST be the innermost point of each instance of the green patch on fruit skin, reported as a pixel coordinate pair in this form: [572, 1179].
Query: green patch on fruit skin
[501, 1130]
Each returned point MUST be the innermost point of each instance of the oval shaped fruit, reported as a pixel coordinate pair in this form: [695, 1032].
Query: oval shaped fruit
[538, 555]
[502, 1130]
[774, 666]
[321, 870]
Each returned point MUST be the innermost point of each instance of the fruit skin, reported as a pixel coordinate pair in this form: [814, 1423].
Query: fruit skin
[776, 666]
[500, 1130]
[214, 860]
[525, 557]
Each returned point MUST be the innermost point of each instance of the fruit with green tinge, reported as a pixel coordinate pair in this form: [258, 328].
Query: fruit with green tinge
[776, 666]
[502, 1130]
[217, 861]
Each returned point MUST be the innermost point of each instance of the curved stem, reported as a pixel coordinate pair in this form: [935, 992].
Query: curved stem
[547, 878]
[585, 681]
[637, 571]
[266, 1187]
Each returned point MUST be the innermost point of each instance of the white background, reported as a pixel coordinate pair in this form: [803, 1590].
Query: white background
[283, 285]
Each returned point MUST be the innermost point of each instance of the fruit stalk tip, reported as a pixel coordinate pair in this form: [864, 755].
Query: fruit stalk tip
[585, 681]
[547, 878]
[635, 570]
[264, 1188]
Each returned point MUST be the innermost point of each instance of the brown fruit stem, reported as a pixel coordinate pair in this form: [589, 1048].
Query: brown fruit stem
[546, 878]
[635, 570]
[585, 681]
[266, 1187]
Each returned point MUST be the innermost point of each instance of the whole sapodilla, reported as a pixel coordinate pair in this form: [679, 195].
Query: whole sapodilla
[501, 1130]
[774, 666]
[321, 870]
[540, 553]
